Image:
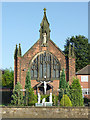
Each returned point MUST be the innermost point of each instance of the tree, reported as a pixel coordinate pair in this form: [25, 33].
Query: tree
[65, 101]
[27, 87]
[17, 95]
[76, 93]
[62, 84]
[8, 78]
[80, 49]
[28, 80]
[32, 98]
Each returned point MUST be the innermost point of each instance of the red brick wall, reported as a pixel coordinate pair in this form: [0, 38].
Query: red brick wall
[84, 84]
[25, 61]
[71, 69]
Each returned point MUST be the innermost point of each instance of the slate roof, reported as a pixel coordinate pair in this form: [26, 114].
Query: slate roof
[84, 71]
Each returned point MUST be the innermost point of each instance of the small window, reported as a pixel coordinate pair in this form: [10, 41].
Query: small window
[84, 78]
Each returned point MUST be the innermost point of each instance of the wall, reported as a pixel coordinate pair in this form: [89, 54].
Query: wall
[45, 112]
[85, 84]
[25, 61]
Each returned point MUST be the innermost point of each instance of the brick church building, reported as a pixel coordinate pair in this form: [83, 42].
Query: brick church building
[45, 60]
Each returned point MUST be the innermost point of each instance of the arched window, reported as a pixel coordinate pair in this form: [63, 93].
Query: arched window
[45, 67]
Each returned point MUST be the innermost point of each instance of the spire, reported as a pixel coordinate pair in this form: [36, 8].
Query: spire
[44, 26]
[15, 53]
[69, 50]
[19, 50]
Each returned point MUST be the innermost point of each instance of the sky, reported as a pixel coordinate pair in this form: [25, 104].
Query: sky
[21, 24]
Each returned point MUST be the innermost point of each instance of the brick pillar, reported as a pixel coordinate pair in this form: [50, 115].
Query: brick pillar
[71, 63]
[15, 66]
[18, 69]
[71, 69]
[15, 72]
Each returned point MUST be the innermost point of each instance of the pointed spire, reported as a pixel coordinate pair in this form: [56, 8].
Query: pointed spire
[19, 50]
[73, 54]
[44, 26]
[69, 50]
[16, 52]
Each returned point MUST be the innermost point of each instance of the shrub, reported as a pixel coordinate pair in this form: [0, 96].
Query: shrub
[65, 101]
[17, 95]
[32, 97]
[46, 98]
[63, 85]
[76, 93]
[28, 80]
[55, 100]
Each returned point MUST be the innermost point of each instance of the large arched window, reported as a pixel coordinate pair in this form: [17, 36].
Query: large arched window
[45, 67]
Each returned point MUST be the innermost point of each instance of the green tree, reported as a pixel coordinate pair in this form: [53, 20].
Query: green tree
[76, 93]
[17, 97]
[8, 78]
[65, 101]
[62, 84]
[27, 87]
[80, 49]
[32, 97]
[28, 80]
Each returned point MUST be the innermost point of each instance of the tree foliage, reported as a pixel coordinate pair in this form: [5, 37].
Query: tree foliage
[76, 93]
[32, 97]
[65, 101]
[63, 85]
[28, 80]
[17, 97]
[8, 78]
[80, 49]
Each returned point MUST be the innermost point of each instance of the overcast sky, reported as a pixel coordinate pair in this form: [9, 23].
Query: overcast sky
[21, 24]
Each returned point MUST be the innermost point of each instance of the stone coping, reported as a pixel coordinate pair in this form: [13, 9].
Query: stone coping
[42, 107]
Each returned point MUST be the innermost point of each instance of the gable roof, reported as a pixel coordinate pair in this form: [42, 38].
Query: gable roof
[84, 71]
[51, 42]
[57, 47]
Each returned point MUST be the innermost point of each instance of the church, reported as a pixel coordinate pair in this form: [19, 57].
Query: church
[45, 60]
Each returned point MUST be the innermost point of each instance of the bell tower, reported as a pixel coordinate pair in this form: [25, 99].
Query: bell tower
[44, 30]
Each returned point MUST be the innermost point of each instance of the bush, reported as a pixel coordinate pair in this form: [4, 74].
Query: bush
[17, 95]
[46, 98]
[76, 93]
[63, 85]
[55, 100]
[32, 97]
[65, 101]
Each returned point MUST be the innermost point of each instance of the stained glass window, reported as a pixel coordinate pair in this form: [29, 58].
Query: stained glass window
[47, 65]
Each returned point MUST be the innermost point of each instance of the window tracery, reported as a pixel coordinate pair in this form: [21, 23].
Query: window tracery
[45, 67]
